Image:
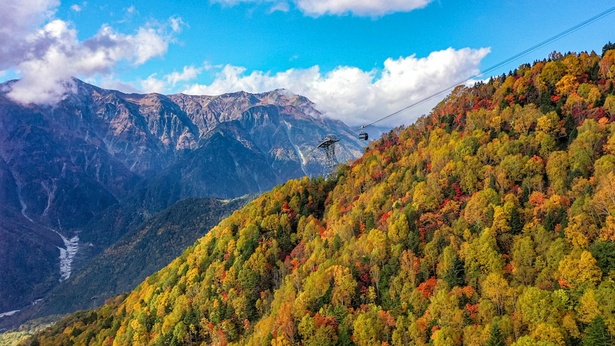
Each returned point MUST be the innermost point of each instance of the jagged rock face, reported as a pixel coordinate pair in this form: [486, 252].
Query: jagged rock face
[62, 165]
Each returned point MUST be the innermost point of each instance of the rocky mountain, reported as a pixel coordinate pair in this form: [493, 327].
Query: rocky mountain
[490, 221]
[76, 176]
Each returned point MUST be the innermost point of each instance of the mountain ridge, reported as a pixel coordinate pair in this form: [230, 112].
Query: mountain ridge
[89, 157]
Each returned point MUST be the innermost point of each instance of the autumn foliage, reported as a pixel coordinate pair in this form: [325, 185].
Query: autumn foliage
[489, 221]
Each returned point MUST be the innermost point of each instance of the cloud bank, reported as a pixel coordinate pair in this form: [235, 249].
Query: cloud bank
[315, 8]
[47, 52]
[355, 96]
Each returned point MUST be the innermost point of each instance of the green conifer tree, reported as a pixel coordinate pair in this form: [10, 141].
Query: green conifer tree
[597, 334]
[496, 338]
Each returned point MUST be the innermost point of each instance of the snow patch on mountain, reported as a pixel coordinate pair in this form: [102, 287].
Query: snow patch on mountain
[71, 246]
[8, 313]
[67, 255]
[23, 204]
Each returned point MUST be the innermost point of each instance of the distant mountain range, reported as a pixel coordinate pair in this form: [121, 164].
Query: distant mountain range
[77, 176]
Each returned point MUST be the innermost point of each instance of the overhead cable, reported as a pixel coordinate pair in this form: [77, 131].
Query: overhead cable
[502, 63]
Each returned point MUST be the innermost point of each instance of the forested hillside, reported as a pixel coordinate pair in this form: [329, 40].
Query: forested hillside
[489, 222]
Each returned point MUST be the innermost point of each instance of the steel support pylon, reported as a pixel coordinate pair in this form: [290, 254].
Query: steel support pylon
[328, 145]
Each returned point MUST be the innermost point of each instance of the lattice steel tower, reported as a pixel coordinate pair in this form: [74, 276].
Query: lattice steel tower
[328, 145]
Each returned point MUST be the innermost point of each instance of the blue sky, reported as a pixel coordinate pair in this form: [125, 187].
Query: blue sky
[357, 60]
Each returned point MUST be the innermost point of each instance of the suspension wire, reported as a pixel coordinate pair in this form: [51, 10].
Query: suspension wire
[502, 63]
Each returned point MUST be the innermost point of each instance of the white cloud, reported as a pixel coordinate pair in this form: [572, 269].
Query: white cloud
[147, 43]
[358, 7]
[17, 20]
[153, 85]
[176, 24]
[356, 96]
[281, 7]
[48, 55]
[112, 83]
[76, 8]
[189, 73]
[164, 84]
[369, 8]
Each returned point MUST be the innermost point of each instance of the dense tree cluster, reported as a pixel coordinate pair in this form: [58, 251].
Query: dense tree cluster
[489, 222]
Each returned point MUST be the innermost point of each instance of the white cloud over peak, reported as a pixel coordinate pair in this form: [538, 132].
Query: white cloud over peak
[47, 53]
[368, 8]
[111, 82]
[356, 96]
[188, 73]
[165, 84]
[153, 84]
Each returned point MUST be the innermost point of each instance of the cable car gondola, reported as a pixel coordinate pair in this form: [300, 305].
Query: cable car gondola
[363, 135]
